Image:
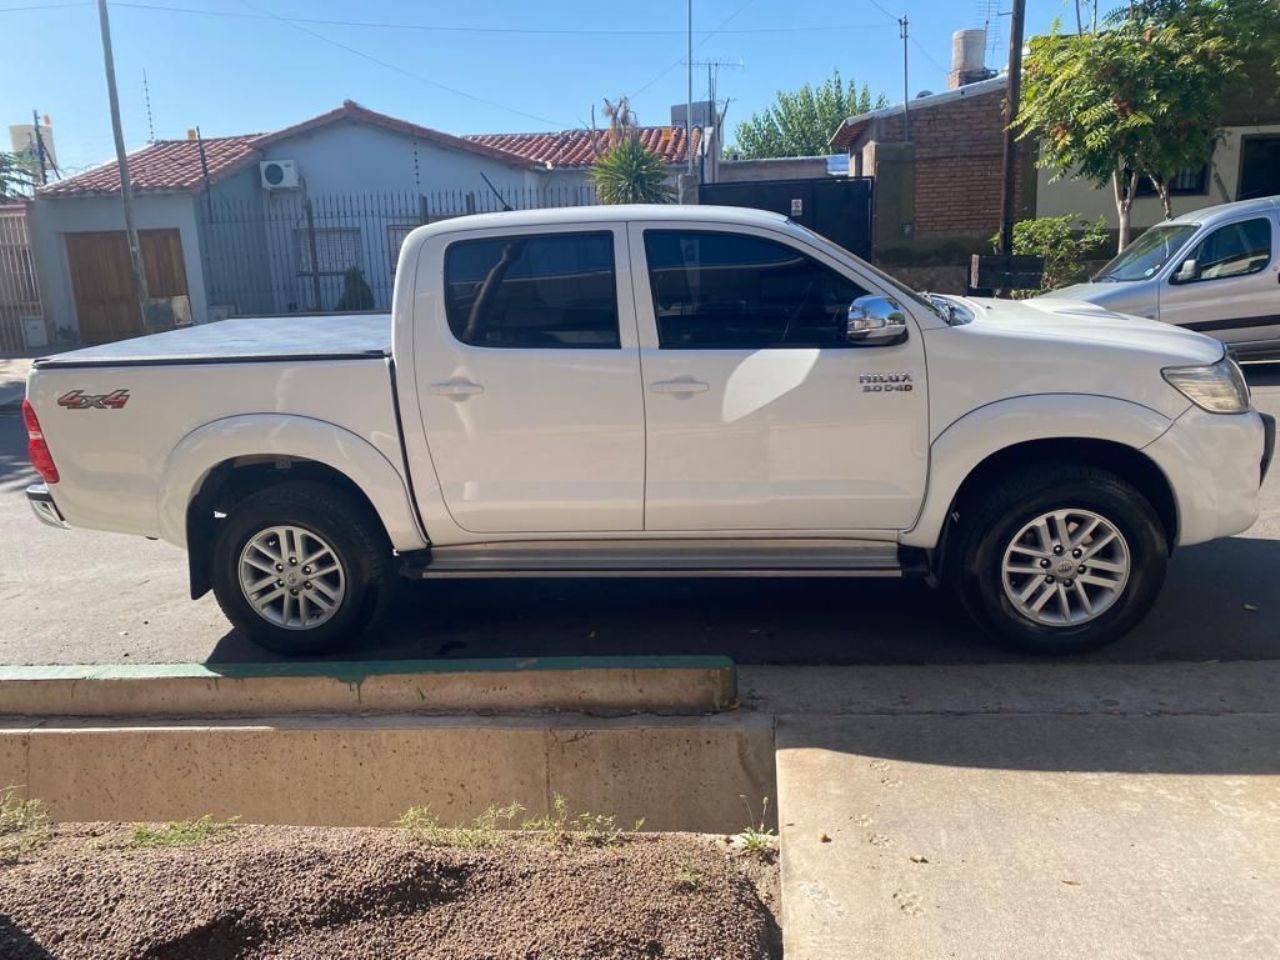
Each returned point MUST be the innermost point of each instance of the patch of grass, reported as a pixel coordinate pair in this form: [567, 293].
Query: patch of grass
[690, 879]
[180, 833]
[24, 825]
[757, 839]
[485, 831]
[561, 827]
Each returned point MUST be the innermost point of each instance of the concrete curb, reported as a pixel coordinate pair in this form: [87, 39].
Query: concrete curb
[588, 685]
[675, 773]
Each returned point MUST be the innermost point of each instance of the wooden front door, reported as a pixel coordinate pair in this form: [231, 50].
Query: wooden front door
[102, 280]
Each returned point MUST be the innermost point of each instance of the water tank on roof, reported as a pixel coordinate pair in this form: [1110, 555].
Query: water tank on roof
[968, 53]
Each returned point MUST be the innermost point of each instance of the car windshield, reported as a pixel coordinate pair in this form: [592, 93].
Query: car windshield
[1145, 256]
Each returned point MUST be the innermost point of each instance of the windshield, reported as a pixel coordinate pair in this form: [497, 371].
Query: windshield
[1145, 256]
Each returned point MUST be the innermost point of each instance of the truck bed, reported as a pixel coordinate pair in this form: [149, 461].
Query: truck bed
[244, 340]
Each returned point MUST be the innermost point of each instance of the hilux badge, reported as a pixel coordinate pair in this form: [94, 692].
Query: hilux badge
[884, 382]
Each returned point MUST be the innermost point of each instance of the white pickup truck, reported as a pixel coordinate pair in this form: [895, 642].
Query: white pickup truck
[657, 391]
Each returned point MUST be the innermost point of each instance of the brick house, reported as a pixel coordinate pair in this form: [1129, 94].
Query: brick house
[937, 167]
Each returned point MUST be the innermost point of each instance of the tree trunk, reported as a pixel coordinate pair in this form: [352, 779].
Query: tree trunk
[1166, 201]
[1124, 200]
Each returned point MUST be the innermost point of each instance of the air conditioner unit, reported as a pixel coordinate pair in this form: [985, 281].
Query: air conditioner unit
[279, 174]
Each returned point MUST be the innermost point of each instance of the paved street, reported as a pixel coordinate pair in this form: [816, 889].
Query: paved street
[80, 596]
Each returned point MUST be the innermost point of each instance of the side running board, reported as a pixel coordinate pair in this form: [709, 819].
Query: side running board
[669, 558]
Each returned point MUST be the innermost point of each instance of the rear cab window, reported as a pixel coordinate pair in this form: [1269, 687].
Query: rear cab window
[550, 291]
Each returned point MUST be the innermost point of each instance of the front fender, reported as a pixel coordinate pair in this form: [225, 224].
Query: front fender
[966, 442]
[281, 435]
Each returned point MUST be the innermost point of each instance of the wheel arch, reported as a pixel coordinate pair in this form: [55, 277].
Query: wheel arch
[1099, 431]
[223, 461]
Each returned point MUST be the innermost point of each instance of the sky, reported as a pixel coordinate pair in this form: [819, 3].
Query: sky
[480, 66]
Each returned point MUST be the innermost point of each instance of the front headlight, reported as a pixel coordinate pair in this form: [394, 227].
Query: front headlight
[1219, 387]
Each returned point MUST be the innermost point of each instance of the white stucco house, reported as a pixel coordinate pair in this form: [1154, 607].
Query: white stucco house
[275, 223]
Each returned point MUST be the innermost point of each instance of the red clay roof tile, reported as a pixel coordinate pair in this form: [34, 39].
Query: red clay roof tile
[173, 166]
[573, 148]
[166, 166]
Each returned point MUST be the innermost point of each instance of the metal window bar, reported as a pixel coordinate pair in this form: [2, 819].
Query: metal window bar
[20, 302]
[256, 248]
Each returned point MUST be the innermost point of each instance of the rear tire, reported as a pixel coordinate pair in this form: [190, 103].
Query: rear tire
[1059, 558]
[302, 568]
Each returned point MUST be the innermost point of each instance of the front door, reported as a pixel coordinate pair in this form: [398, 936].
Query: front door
[760, 416]
[102, 279]
[528, 377]
[1234, 294]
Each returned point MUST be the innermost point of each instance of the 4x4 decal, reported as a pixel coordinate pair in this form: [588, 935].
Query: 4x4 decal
[79, 400]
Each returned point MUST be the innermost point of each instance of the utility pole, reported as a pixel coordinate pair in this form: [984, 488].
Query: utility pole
[1013, 94]
[906, 94]
[688, 101]
[122, 161]
[39, 145]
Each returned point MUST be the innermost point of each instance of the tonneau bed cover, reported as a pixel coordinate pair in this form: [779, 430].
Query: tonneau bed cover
[245, 340]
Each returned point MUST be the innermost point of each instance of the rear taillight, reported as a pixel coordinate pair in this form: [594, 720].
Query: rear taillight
[37, 449]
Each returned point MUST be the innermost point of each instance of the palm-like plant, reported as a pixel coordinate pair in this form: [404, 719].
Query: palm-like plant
[625, 170]
[629, 173]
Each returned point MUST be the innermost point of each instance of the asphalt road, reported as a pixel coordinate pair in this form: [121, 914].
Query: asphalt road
[87, 597]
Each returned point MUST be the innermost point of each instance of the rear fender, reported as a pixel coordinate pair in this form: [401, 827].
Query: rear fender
[288, 437]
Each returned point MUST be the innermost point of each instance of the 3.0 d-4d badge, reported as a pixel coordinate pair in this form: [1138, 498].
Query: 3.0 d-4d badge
[882, 382]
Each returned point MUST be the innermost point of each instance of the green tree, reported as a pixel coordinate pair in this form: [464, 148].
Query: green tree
[1065, 242]
[16, 177]
[628, 172]
[800, 122]
[1143, 96]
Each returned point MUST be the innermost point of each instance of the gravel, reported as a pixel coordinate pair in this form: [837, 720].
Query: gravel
[307, 892]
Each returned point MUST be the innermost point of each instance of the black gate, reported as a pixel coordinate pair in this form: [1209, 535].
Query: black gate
[839, 208]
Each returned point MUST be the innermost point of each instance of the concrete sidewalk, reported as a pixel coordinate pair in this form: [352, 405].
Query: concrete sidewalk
[13, 382]
[1028, 811]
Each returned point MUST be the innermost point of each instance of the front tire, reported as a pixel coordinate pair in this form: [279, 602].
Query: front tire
[1060, 558]
[302, 568]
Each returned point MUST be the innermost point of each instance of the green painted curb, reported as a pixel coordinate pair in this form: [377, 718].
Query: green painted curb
[349, 671]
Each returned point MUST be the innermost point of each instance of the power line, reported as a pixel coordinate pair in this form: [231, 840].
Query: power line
[924, 52]
[408, 73]
[46, 6]
[875, 4]
[441, 28]
[720, 29]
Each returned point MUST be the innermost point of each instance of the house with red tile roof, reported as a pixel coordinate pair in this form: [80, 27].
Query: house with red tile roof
[220, 239]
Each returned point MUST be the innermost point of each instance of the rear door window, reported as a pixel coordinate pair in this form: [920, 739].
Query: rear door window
[553, 291]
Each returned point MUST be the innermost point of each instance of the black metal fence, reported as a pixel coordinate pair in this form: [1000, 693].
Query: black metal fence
[288, 252]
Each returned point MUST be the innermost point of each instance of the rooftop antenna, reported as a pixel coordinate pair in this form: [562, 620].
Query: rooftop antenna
[146, 93]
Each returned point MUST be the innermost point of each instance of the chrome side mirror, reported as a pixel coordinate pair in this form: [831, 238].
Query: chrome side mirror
[1186, 273]
[876, 322]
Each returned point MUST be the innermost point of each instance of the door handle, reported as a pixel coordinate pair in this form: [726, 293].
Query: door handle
[455, 389]
[679, 386]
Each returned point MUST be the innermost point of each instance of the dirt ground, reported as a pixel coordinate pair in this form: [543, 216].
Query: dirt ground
[305, 892]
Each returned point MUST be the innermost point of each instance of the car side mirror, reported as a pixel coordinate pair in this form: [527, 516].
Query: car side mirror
[1187, 272]
[876, 321]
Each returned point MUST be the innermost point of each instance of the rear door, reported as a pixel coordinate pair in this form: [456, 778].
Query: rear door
[1235, 292]
[760, 416]
[528, 377]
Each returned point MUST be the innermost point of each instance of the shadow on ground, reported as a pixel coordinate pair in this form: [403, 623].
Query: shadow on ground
[1219, 603]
